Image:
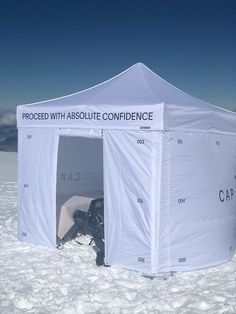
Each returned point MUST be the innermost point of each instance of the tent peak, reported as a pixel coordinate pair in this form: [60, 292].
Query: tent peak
[140, 65]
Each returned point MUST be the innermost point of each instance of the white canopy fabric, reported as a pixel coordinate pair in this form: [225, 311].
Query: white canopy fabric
[165, 162]
[135, 99]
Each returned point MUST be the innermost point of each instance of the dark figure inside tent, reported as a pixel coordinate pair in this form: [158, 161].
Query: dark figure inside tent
[92, 222]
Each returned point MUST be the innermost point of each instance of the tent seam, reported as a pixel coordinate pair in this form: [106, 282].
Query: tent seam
[132, 129]
[149, 88]
[159, 200]
[57, 138]
[186, 94]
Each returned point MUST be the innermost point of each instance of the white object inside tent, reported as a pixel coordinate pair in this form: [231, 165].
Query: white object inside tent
[66, 221]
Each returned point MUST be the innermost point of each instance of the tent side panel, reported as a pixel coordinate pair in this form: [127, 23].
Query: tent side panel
[37, 164]
[198, 207]
[130, 198]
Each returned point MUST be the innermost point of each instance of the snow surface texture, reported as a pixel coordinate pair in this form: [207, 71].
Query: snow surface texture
[8, 167]
[35, 279]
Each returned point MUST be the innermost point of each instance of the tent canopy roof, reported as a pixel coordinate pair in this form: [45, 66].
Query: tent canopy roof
[137, 85]
[140, 87]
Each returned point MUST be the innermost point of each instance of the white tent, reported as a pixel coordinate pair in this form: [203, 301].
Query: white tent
[165, 161]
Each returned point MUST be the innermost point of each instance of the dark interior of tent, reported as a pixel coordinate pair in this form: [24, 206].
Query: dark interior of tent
[79, 193]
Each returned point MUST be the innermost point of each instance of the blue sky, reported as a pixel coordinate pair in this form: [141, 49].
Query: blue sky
[52, 48]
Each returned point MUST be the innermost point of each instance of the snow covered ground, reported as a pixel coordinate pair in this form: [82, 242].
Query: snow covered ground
[35, 279]
[8, 167]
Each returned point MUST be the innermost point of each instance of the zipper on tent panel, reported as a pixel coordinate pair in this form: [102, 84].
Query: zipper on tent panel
[154, 202]
[162, 116]
[38, 185]
[57, 141]
[157, 186]
[168, 193]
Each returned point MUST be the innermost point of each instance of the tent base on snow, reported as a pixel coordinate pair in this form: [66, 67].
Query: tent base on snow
[164, 161]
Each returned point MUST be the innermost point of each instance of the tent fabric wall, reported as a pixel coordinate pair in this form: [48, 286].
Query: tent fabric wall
[131, 198]
[198, 201]
[37, 164]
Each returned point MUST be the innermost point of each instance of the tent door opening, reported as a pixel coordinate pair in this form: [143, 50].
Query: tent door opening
[79, 180]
